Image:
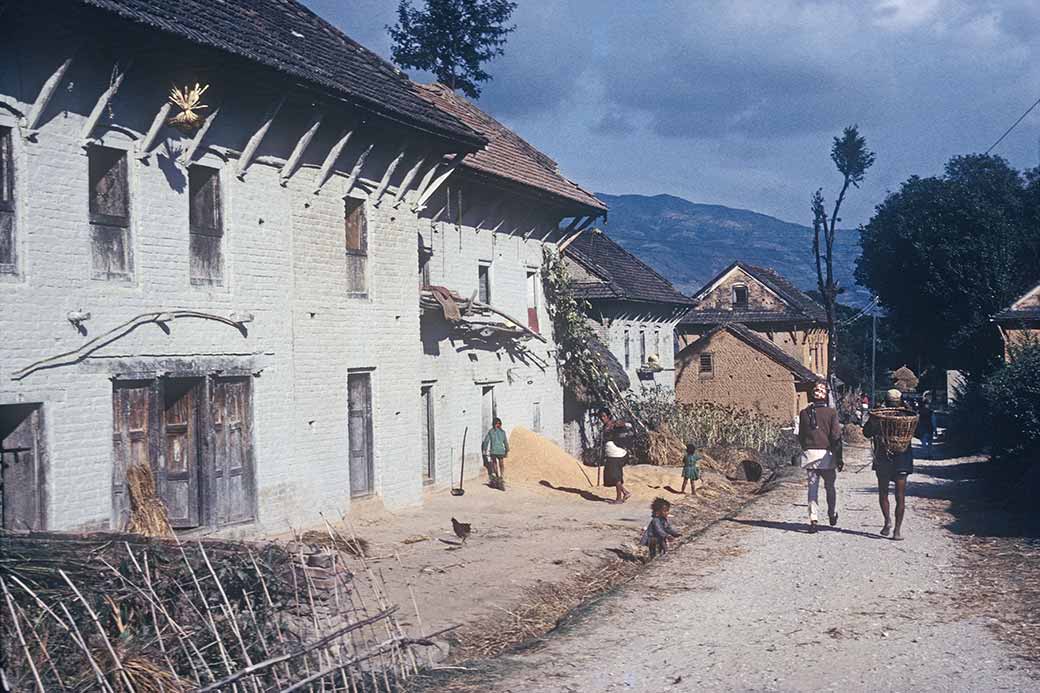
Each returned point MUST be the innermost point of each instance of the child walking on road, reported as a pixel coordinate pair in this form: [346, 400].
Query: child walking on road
[495, 448]
[659, 532]
[691, 470]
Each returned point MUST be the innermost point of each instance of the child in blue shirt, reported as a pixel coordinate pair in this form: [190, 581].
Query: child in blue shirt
[691, 470]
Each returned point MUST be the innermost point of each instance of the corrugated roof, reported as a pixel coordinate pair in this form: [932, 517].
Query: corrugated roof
[286, 36]
[621, 274]
[754, 340]
[507, 155]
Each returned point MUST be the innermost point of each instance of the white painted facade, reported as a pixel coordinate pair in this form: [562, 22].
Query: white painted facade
[283, 265]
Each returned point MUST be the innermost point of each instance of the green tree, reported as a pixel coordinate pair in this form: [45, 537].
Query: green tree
[452, 39]
[852, 158]
[946, 253]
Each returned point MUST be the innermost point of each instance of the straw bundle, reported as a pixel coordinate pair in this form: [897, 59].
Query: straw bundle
[147, 511]
[664, 448]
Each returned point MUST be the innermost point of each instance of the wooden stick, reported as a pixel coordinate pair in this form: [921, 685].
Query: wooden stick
[101, 630]
[82, 643]
[21, 638]
[310, 647]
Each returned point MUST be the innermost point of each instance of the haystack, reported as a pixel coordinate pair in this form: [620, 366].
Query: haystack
[664, 448]
[147, 511]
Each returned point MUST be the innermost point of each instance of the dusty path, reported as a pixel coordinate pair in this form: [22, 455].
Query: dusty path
[757, 604]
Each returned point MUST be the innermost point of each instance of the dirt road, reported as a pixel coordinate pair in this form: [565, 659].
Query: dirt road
[757, 604]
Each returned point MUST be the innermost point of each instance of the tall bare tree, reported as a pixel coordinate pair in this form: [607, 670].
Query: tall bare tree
[852, 158]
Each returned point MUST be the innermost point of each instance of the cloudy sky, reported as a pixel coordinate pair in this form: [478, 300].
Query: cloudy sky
[735, 102]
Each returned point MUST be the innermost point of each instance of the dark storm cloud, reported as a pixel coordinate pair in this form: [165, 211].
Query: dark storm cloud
[736, 102]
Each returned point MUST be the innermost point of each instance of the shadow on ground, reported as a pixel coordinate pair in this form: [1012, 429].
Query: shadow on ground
[983, 499]
[801, 527]
[587, 495]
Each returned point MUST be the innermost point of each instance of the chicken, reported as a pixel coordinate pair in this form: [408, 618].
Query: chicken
[462, 529]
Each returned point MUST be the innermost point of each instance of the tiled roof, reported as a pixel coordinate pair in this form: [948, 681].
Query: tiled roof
[622, 275]
[766, 347]
[286, 36]
[799, 306]
[507, 155]
[1025, 307]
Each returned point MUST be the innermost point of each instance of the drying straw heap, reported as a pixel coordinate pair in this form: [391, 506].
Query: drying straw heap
[147, 512]
[123, 613]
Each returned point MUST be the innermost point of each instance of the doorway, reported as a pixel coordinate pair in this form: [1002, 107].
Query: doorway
[22, 467]
[359, 433]
[428, 442]
[488, 408]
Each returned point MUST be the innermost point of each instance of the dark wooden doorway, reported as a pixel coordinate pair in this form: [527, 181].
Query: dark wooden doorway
[232, 451]
[359, 432]
[178, 475]
[22, 467]
[428, 441]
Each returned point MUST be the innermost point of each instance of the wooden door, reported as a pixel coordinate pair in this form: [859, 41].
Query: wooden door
[233, 474]
[134, 422]
[178, 474]
[428, 442]
[359, 432]
[21, 468]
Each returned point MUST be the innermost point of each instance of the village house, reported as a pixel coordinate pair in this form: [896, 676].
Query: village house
[1019, 323]
[633, 312]
[231, 294]
[754, 341]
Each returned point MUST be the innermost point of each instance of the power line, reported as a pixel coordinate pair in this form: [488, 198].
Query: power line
[1013, 125]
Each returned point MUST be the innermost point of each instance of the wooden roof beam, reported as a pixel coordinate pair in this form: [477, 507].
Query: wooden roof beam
[32, 121]
[102, 102]
[384, 182]
[329, 164]
[200, 135]
[254, 142]
[144, 147]
[437, 182]
[293, 162]
[406, 183]
[355, 172]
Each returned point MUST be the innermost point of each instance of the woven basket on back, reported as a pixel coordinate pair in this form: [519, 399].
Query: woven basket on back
[897, 426]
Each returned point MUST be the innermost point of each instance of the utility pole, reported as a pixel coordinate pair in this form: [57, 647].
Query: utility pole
[873, 357]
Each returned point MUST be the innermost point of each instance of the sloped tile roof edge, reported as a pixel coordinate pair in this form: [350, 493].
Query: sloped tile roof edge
[508, 156]
[775, 282]
[574, 252]
[753, 340]
[161, 16]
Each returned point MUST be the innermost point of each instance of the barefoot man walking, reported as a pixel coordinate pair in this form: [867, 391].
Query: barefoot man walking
[819, 433]
[890, 469]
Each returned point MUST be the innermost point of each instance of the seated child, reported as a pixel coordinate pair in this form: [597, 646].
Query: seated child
[691, 471]
[659, 532]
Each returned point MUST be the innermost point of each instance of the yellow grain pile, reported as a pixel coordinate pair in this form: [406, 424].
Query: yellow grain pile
[147, 512]
[534, 459]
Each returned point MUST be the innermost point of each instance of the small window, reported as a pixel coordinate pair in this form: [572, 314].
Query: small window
[7, 237]
[532, 300]
[355, 234]
[206, 226]
[536, 417]
[484, 284]
[740, 297]
[425, 254]
[628, 351]
[109, 213]
[642, 348]
[706, 365]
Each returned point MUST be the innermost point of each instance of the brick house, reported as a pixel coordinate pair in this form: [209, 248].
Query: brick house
[237, 304]
[634, 311]
[752, 340]
[1019, 323]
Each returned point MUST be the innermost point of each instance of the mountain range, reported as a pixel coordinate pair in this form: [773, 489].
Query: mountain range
[689, 243]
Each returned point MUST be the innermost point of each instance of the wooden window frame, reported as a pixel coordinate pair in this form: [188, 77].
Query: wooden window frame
[200, 233]
[706, 357]
[485, 294]
[7, 199]
[628, 350]
[642, 347]
[737, 304]
[105, 225]
[533, 302]
[356, 257]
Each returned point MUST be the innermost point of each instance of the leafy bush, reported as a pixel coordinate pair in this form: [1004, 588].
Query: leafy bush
[1013, 402]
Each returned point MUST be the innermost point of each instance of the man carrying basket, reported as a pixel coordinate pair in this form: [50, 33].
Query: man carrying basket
[890, 430]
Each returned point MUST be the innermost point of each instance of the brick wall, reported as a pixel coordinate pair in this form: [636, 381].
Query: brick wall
[742, 376]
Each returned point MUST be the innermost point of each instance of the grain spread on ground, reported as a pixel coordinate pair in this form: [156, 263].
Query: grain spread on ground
[538, 462]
